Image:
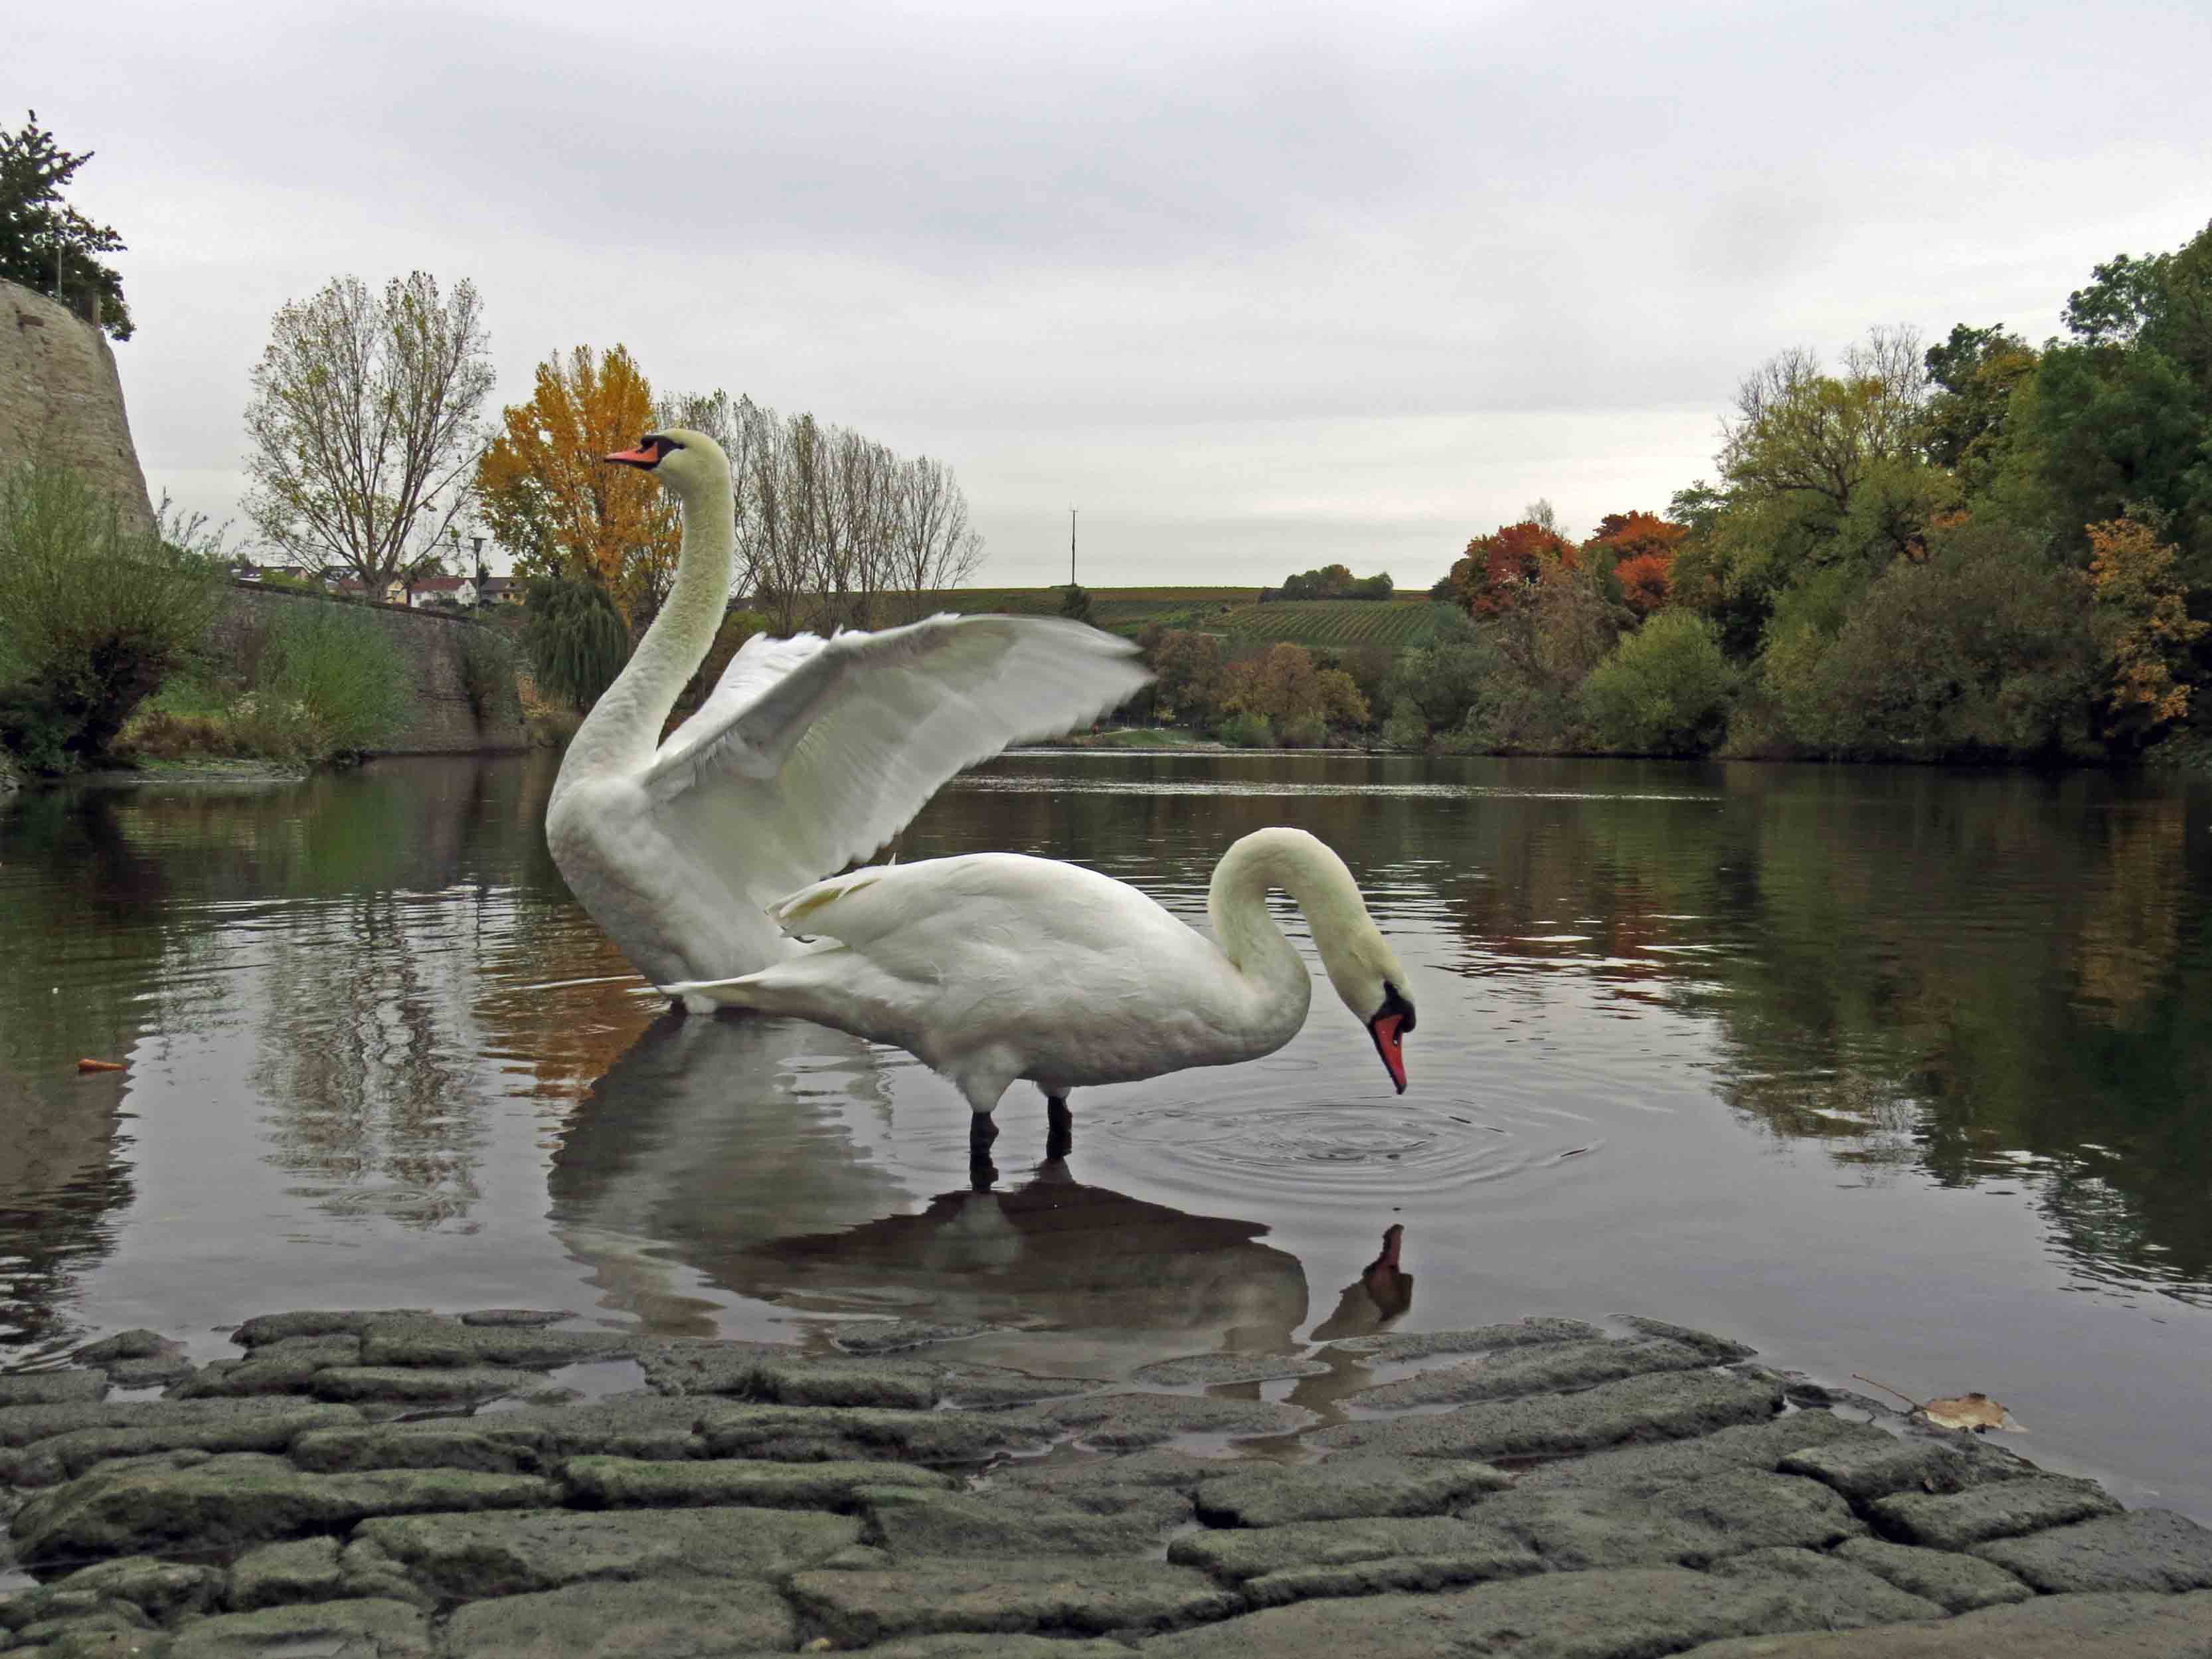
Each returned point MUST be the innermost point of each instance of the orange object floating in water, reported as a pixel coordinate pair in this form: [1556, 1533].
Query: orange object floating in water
[100, 1065]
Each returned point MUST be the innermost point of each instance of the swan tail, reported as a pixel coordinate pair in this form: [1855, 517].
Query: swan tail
[739, 993]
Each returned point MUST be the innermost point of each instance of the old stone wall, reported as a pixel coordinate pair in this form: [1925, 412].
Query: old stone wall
[441, 718]
[60, 397]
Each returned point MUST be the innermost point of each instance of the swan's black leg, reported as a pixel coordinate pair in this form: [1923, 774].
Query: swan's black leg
[981, 1132]
[1058, 1127]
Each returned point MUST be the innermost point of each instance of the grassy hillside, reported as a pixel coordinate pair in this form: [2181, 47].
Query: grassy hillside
[1123, 610]
[1408, 620]
[1338, 623]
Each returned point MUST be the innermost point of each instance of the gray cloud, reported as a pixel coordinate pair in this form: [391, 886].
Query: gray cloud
[1241, 279]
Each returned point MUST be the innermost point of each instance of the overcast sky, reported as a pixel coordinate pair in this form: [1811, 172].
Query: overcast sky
[1255, 287]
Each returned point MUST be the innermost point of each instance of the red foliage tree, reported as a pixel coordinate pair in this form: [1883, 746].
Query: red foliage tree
[1640, 549]
[1497, 568]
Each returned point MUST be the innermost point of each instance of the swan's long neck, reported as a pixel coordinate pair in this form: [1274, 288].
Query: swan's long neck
[1236, 900]
[623, 731]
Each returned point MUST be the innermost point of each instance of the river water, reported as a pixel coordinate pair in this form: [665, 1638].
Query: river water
[1905, 1073]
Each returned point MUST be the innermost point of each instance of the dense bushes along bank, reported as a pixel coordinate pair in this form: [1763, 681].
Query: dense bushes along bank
[1977, 550]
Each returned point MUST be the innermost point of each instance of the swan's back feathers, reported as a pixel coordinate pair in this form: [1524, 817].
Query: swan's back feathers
[811, 753]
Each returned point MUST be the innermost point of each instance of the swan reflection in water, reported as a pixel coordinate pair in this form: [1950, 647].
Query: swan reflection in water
[760, 1158]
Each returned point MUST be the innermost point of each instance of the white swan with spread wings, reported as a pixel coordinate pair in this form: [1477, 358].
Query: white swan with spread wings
[809, 754]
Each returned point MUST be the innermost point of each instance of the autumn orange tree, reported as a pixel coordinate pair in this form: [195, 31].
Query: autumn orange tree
[1497, 569]
[547, 494]
[2146, 625]
[1639, 548]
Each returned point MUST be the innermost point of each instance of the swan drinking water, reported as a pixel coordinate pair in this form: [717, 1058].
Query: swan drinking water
[997, 966]
[809, 754]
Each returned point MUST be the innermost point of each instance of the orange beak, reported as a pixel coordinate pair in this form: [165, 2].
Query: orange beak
[1389, 1031]
[644, 458]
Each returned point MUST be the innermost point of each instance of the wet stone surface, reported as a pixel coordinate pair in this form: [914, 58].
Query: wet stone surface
[369, 1483]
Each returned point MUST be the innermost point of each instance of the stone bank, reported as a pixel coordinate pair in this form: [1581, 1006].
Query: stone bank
[396, 1483]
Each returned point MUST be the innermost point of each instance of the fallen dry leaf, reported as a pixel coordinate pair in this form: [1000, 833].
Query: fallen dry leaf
[1977, 1412]
[100, 1065]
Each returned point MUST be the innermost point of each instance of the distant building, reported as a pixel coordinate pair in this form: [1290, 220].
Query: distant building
[499, 590]
[428, 589]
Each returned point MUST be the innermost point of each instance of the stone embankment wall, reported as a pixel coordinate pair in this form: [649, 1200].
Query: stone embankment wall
[60, 398]
[441, 718]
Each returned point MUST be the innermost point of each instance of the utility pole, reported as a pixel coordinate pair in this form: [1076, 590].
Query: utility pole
[1071, 547]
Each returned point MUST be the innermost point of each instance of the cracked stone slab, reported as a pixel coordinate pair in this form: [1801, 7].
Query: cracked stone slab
[1862, 1470]
[1722, 1350]
[1670, 1406]
[1393, 1345]
[52, 1388]
[275, 1574]
[1845, 1594]
[1628, 1614]
[531, 1440]
[1236, 1554]
[357, 1629]
[2139, 1550]
[128, 1345]
[256, 1425]
[1957, 1583]
[1544, 1368]
[2004, 1509]
[999, 1647]
[161, 1590]
[1343, 1488]
[2118, 1626]
[668, 1620]
[1474, 1563]
[624, 1482]
[525, 1317]
[471, 1556]
[795, 1434]
[1014, 1597]
[1209, 1368]
[286, 1366]
[890, 1336]
[919, 1526]
[908, 1384]
[408, 1385]
[242, 1498]
[22, 1425]
[1581, 1529]
[444, 1342]
[1110, 1485]
[1754, 1446]
[265, 1328]
[684, 1365]
[1133, 1420]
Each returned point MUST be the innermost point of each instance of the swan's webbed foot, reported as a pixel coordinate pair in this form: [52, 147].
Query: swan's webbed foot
[1058, 1127]
[982, 1172]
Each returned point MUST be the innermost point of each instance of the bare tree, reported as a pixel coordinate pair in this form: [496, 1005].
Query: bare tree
[834, 529]
[1796, 428]
[935, 548]
[363, 425]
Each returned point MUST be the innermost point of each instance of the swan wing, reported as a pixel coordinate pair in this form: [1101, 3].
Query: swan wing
[989, 899]
[811, 753]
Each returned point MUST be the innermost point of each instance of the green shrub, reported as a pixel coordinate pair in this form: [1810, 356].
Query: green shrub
[1985, 650]
[93, 616]
[487, 665]
[1304, 731]
[1406, 728]
[329, 683]
[1246, 731]
[1666, 689]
